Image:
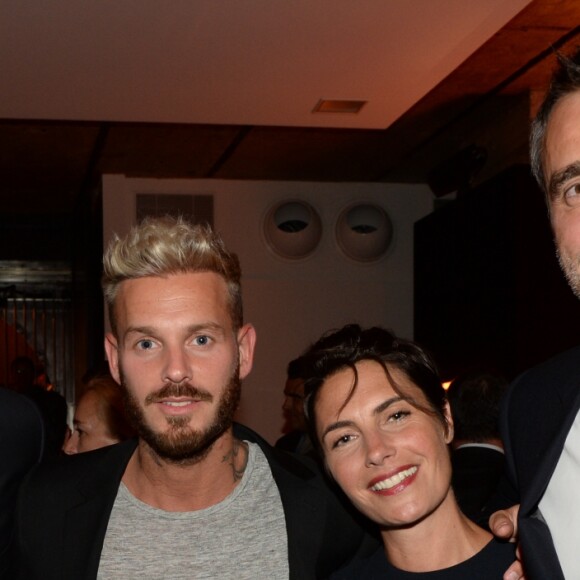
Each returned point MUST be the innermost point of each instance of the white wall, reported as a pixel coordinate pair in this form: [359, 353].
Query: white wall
[293, 303]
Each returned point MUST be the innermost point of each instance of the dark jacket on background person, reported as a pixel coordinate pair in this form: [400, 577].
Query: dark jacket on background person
[21, 447]
[476, 472]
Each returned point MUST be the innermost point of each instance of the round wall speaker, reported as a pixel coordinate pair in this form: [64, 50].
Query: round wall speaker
[292, 229]
[364, 232]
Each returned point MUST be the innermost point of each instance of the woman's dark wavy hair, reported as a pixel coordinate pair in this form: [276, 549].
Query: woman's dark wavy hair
[351, 344]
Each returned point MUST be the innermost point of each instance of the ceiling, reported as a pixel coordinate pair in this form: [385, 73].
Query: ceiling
[224, 89]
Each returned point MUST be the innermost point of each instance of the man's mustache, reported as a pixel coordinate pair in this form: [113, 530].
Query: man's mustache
[184, 389]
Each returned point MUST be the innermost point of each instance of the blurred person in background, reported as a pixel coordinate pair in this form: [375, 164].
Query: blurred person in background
[478, 456]
[21, 445]
[51, 404]
[295, 438]
[99, 418]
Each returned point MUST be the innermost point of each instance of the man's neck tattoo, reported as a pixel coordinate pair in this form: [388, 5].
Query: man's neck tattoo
[237, 458]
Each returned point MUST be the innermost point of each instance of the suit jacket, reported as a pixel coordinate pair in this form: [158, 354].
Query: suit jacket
[476, 475]
[21, 445]
[537, 415]
[64, 509]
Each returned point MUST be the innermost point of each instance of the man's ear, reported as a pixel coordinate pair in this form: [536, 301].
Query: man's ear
[449, 431]
[112, 350]
[246, 346]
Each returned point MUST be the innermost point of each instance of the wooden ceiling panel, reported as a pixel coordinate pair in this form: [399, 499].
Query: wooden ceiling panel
[499, 126]
[548, 14]
[43, 165]
[306, 154]
[159, 150]
[461, 109]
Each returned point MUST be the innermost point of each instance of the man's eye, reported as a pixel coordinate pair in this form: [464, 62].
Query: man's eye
[145, 344]
[572, 195]
[201, 340]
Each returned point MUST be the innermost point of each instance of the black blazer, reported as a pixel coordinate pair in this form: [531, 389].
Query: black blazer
[537, 415]
[476, 472]
[21, 446]
[64, 509]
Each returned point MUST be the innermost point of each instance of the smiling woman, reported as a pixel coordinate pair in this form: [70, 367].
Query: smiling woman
[379, 416]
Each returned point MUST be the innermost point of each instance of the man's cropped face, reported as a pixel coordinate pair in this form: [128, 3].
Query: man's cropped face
[179, 359]
[562, 170]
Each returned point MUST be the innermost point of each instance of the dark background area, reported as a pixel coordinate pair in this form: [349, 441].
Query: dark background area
[488, 288]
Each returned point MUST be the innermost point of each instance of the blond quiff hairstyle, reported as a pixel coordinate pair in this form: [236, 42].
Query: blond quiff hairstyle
[165, 246]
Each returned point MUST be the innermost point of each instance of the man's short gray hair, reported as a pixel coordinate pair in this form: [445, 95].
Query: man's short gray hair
[565, 81]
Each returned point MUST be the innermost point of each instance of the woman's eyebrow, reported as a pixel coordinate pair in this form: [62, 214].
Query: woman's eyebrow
[386, 404]
[336, 425]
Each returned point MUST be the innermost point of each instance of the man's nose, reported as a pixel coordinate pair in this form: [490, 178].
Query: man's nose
[177, 365]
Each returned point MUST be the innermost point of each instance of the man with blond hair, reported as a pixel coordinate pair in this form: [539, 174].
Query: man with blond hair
[194, 496]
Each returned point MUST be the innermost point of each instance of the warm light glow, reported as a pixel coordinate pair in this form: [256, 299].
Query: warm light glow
[446, 384]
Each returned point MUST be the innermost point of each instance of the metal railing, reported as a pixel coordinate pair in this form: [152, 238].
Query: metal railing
[36, 321]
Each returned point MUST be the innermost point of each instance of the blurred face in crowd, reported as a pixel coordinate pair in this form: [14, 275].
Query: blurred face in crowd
[562, 170]
[22, 374]
[90, 427]
[180, 360]
[389, 457]
[293, 405]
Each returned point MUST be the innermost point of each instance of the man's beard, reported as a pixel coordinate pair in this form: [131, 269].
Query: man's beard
[181, 443]
[571, 268]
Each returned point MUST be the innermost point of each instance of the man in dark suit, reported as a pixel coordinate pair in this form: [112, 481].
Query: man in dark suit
[21, 445]
[193, 496]
[477, 457]
[541, 423]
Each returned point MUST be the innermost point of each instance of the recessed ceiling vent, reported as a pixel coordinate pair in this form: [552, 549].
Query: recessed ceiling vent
[338, 106]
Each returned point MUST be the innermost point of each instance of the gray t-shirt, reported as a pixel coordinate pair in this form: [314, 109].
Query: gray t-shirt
[242, 537]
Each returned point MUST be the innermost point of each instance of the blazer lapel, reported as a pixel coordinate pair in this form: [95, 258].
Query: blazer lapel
[85, 522]
[570, 401]
[303, 510]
